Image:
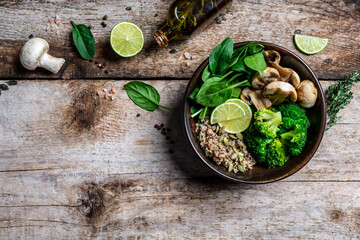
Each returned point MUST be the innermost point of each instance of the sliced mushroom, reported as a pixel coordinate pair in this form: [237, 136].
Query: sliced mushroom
[252, 96]
[294, 78]
[278, 92]
[273, 58]
[269, 75]
[307, 94]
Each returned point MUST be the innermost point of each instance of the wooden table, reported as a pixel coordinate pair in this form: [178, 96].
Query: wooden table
[74, 166]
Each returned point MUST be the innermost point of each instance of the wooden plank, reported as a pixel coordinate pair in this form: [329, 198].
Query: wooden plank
[247, 20]
[164, 207]
[50, 127]
[107, 173]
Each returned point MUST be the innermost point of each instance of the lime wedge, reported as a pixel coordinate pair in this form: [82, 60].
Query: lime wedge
[126, 39]
[309, 44]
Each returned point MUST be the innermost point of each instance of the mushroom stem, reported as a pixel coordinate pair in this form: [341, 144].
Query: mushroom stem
[51, 63]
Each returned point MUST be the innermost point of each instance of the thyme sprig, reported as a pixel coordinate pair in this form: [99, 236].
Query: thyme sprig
[338, 96]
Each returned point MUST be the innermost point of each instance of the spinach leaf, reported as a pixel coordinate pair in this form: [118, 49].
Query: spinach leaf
[216, 94]
[236, 92]
[206, 73]
[220, 57]
[203, 113]
[143, 95]
[194, 93]
[196, 113]
[84, 41]
[256, 62]
[239, 57]
[254, 47]
[194, 109]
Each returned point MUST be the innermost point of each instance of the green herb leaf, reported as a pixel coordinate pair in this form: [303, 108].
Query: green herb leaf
[220, 57]
[206, 73]
[256, 62]
[255, 47]
[236, 92]
[338, 96]
[196, 113]
[203, 113]
[194, 93]
[144, 95]
[84, 41]
[216, 94]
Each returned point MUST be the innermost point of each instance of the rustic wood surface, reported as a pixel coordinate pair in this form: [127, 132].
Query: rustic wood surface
[265, 20]
[76, 166]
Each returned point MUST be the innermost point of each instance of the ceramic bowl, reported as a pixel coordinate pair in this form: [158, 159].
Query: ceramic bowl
[260, 174]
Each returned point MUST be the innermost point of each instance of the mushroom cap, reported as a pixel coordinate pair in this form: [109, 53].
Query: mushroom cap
[272, 59]
[307, 94]
[278, 92]
[294, 78]
[32, 52]
[255, 97]
[272, 56]
[269, 75]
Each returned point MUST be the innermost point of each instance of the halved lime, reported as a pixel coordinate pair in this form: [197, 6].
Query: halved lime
[231, 116]
[244, 106]
[309, 44]
[126, 39]
[225, 112]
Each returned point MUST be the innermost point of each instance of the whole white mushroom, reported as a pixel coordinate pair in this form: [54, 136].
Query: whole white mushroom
[34, 54]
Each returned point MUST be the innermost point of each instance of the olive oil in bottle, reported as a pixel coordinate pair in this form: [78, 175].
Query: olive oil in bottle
[188, 16]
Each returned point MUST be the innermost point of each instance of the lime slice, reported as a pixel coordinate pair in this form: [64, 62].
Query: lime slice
[226, 112]
[309, 44]
[244, 106]
[126, 39]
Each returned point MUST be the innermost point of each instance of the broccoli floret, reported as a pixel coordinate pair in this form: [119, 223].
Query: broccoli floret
[267, 122]
[289, 124]
[256, 144]
[276, 154]
[267, 151]
[295, 139]
[292, 110]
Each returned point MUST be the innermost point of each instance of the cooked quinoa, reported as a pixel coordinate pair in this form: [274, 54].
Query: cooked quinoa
[225, 149]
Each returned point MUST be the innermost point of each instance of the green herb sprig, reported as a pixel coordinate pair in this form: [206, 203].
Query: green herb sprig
[338, 96]
[84, 40]
[144, 95]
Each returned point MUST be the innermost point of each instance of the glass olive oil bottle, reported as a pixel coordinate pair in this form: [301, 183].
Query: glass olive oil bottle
[187, 16]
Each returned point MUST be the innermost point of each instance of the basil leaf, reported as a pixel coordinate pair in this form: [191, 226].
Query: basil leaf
[206, 73]
[143, 95]
[256, 62]
[84, 41]
[220, 57]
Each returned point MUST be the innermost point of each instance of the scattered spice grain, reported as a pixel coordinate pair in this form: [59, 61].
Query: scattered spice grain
[105, 17]
[128, 8]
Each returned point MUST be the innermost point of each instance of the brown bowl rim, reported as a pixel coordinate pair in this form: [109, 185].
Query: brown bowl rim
[187, 128]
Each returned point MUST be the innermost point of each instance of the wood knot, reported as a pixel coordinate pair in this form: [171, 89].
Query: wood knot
[91, 201]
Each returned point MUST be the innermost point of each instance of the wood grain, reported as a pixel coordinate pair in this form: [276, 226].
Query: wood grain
[247, 20]
[111, 174]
